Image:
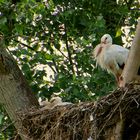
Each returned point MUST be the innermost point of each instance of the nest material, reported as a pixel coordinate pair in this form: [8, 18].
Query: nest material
[114, 116]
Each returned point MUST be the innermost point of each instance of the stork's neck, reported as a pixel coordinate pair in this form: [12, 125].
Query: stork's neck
[106, 45]
[109, 44]
[99, 51]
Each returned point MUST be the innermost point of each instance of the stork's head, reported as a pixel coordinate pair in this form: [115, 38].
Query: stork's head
[106, 39]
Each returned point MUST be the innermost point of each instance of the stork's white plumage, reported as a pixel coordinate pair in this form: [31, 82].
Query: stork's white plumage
[110, 56]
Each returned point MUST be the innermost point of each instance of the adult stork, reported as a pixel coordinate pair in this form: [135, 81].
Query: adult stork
[110, 57]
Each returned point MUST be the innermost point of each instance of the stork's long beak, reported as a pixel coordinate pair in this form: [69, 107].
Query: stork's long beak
[99, 51]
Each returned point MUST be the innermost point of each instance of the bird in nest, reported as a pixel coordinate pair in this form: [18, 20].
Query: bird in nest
[110, 57]
[54, 101]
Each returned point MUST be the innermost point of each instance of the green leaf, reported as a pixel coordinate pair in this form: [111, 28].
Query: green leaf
[48, 57]
[76, 91]
[2, 1]
[3, 20]
[119, 32]
[19, 28]
[25, 67]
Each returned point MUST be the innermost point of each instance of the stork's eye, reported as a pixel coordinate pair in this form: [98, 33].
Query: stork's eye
[106, 38]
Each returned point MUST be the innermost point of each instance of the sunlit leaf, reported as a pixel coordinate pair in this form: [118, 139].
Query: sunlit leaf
[118, 33]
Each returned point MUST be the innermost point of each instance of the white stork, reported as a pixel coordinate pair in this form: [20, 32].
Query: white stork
[110, 56]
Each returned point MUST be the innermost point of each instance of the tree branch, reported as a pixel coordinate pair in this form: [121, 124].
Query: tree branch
[62, 53]
[39, 52]
[133, 63]
[26, 46]
[15, 93]
[69, 53]
[55, 65]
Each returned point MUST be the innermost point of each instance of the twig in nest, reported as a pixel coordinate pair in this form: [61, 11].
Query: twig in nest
[136, 102]
[112, 113]
[7, 126]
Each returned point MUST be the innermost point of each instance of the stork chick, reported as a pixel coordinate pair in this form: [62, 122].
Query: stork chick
[110, 57]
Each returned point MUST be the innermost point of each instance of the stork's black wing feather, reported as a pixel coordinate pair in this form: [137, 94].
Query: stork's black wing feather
[138, 73]
[121, 66]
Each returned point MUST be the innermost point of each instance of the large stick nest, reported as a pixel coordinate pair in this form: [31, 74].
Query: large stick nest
[116, 115]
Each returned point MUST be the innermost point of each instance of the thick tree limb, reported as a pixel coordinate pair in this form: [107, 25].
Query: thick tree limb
[15, 94]
[133, 63]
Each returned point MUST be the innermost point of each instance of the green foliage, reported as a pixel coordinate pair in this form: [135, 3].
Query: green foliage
[53, 42]
[4, 124]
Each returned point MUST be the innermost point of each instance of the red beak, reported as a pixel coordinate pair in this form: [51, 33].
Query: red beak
[99, 51]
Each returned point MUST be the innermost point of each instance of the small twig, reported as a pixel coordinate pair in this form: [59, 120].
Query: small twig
[7, 126]
[29, 47]
[120, 113]
[16, 137]
[55, 65]
[62, 53]
[39, 52]
[67, 46]
[52, 68]
[24, 136]
[136, 102]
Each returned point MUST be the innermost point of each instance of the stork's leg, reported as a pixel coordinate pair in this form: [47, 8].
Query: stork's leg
[117, 76]
[117, 81]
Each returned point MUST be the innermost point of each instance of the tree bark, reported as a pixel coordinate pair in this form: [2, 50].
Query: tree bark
[15, 94]
[133, 63]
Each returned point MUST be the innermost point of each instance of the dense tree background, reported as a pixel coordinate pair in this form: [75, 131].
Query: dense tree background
[52, 41]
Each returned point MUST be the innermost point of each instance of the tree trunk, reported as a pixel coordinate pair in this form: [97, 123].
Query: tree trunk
[133, 63]
[15, 94]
